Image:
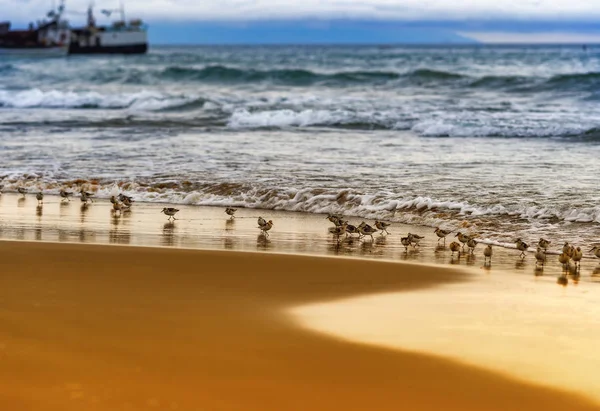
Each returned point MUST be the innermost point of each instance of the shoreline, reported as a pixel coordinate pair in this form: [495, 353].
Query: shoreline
[134, 328]
[203, 227]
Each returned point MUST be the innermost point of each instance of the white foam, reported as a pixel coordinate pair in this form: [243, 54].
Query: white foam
[138, 101]
[286, 118]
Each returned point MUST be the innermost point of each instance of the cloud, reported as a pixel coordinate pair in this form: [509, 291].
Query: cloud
[554, 37]
[404, 10]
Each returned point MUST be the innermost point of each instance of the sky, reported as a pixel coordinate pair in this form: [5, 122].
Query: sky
[222, 21]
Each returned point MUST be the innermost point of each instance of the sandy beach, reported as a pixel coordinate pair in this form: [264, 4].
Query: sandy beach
[128, 328]
[108, 312]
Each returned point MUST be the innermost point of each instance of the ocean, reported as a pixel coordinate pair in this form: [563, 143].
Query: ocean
[503, 142]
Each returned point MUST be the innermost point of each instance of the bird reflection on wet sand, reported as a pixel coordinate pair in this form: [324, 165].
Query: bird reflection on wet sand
[229, 224]
[39, 210]
[228, 244]
[562, 280]
[168, 237]
[520, 264]
[262, 242]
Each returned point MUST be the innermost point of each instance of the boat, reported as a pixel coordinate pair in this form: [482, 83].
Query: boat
[45, 38]
[122, 37]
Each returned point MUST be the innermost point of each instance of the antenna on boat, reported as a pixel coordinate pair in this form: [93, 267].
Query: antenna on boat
[122, 9]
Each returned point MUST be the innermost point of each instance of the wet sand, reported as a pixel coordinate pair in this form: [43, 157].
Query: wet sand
[210, 228]
[205, 313]
[129, 328]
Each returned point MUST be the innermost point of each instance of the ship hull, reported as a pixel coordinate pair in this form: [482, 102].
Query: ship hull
[102, 41]
[122, 49]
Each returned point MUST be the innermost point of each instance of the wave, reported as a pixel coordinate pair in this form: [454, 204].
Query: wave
[141, 101]
[351, 203]
[295, 76]
[6, 68]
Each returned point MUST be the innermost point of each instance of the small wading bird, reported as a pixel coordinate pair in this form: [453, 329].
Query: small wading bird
[86, 196]
[123, 198]
[405, 242]
[521, 246]
[455, 248]
[230, 211]
[487, 253]
[366, 230]
[266, 227]
[382, 226]
[114, 200]
[40, 197]
[442, 234]
[22, 191]
[540, 256]
[261, 222]
[335, 219]
[567, 249]
[543, 244]
[170, 211]
[596, 251]
[577, 256]
[463, 238]
[338, 231]
[472, 243]
[415, 239]
[564, 258]
[117, 207]
[351, 229]
[64, 194]
[127, 202]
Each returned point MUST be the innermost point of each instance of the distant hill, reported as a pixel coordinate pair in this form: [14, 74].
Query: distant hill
[299, 32]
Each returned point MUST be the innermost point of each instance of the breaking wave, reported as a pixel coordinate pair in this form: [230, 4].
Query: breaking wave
[421, 210]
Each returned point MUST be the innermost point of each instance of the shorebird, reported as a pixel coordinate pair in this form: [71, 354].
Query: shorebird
[65, 194]
[405, 242]
[127, 202]
[40, 197]
[21, 190]
[114, 200]
[382, 226]
[261, 222]
[338, 231]
[455, 247]
[117, 206]
[577, 256]
[567, 249]
[521, 246]
[564, 258]
[230, 211]
[540, 256]
[596, 251]
[366, 230]
[122, 198]
[472, 243]
[335, 219]
[543, 244]
[265, 228]
[86, 196]
[351, 229]
[170, 211]
[441, 234]
[415, 239]
[463, 238]
[487, 253]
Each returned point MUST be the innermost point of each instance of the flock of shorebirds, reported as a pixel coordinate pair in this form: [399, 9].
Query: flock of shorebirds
[341, 227]
[122, 203]
[569, 253]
